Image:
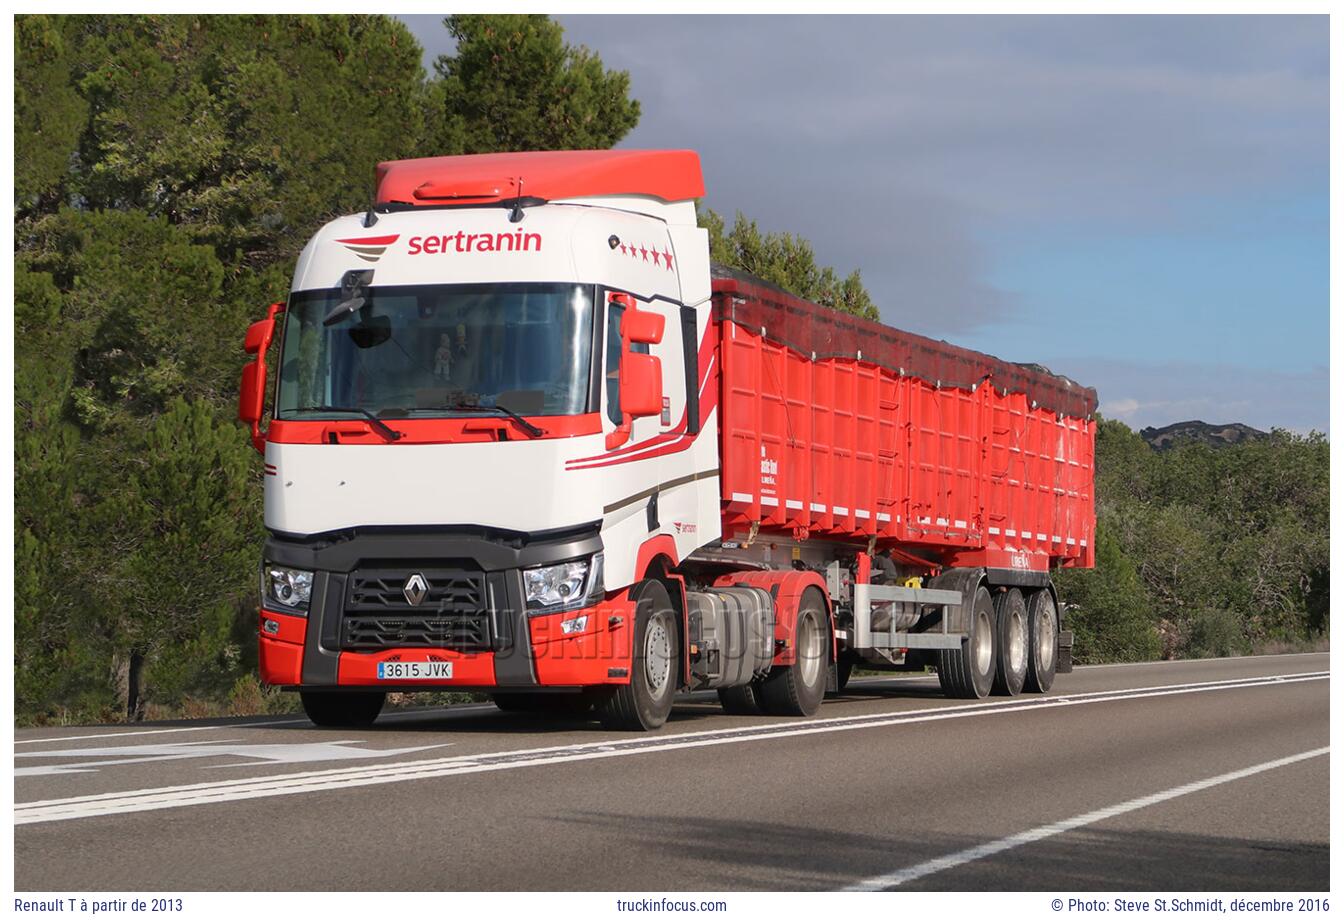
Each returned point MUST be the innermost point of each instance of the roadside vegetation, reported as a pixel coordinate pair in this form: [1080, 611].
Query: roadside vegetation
[167, 171]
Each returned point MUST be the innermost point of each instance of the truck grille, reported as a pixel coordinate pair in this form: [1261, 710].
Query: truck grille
[454, 612]
[463, 633]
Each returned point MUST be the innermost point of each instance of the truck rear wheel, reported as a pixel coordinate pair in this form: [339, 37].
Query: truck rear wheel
[741, 701]
[1010, 665]
[797, 689]
[1042, 641]
[339, 709]
[645, 702]
[968, 672]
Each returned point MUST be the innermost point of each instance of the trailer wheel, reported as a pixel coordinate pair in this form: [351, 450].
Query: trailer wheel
[1010, 665]
[968, 672]
[645, 702]
[797, 689]
[741, 701]
[1042, 639]
[556, 704]
[342, 709]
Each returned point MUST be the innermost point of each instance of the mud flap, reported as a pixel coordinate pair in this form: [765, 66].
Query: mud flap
[1064, 658]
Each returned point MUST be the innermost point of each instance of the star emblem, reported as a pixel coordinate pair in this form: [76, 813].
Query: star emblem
[644, 252]
[656, 256]
[667, 257]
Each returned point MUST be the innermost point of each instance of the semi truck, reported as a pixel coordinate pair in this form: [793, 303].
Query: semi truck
[526, 440]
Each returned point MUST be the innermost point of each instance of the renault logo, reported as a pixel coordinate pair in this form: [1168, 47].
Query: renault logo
[415, 589]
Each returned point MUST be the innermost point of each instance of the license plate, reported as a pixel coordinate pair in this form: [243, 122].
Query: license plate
[415, 670]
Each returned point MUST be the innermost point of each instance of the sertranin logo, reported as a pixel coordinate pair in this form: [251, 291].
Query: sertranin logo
[370, 248]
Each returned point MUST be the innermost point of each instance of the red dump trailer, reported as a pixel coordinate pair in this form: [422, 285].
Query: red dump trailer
[834, 426]
[528, 441]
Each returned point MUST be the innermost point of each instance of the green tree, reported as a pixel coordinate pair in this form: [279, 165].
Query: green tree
[249, 130]
[186, 549]
[49, 111]
[512, 83]
[1107, 608]
[788, 261]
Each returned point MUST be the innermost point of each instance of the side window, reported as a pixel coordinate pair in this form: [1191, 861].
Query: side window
[613, 363]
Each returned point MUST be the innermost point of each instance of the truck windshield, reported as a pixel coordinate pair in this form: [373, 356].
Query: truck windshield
[424, 350]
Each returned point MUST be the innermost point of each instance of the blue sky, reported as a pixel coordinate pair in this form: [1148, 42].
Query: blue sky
[1138, 202]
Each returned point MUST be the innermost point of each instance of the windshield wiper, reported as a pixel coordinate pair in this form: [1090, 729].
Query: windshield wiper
[527, 426]
[377, 424]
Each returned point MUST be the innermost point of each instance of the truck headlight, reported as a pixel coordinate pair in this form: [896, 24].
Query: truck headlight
[288, 588]
[558, 587]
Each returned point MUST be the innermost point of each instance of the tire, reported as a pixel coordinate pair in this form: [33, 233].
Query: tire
[1010, 637]
[339, 709]
[1042, 641]
[645, 702]
[551, 704]
[968, 672]
[797, 689]
[740, 701]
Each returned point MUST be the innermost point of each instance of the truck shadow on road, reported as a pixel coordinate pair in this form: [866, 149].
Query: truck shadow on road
[691, 709]
[724, 854]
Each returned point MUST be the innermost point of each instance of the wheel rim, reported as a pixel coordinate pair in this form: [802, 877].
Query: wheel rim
[657, 656]
[1017, 644]
[1045, 639]
[984, 643]
[809, 648]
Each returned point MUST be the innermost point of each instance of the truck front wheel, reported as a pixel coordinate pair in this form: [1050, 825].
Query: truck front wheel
[342, 709]
[797, 689]
[645, 702]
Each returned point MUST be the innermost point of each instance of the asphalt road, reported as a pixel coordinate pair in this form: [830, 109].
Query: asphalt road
[1174, 776]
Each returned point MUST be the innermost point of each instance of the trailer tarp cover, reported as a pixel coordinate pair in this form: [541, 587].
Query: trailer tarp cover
[822, 332]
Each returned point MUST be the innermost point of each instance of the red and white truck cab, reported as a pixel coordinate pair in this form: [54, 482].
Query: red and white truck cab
[496, 454]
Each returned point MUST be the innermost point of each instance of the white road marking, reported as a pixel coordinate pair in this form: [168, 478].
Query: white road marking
[269, 753]
[228, 726]
[993, 848]
[160, 731]
[1268, 659]
[296, 783]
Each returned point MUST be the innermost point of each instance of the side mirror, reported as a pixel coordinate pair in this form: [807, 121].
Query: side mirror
[252, 385]
[641, 375]
[641, 385]
[643, 327]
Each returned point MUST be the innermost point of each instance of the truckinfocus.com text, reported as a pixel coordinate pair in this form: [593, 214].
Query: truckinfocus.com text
[659, 905]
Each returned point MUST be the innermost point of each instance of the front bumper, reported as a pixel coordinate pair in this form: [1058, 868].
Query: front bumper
[598, 655]
[512, 649]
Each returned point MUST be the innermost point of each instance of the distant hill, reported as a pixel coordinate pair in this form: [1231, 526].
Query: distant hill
[1213, 435]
